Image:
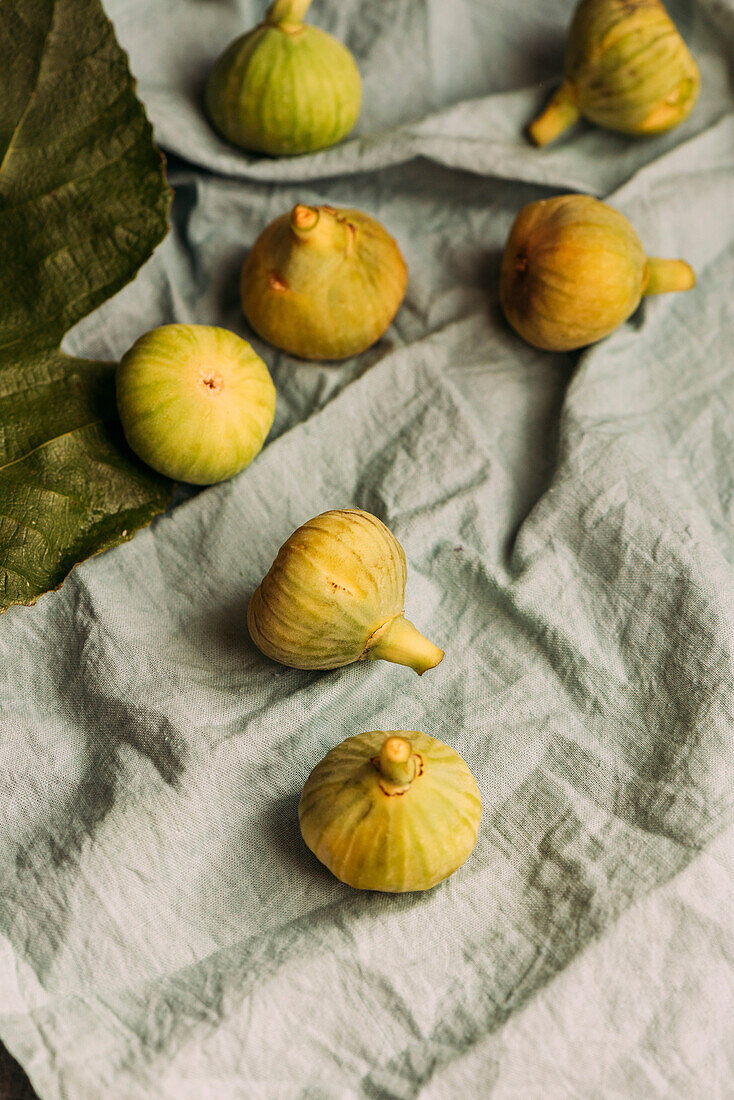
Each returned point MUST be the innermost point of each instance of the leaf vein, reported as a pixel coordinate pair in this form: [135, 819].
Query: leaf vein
[26, 527]
[48, 442]
[34, 89]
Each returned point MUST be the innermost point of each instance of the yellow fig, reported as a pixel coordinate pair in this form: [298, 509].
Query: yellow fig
[627, 69]
[574, 269]
[334, 595]
[322, 283]
[392, 811]
[285, 87]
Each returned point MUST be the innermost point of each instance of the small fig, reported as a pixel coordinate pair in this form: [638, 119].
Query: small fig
[574, 269]
[334, 595]
[392, 811]
[627, 69]
[196, 402]
[322, 283]
[285, 87]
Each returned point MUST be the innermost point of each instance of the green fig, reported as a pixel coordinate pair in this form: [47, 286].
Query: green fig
[285, 87]
[626, 69]
[322, 283]
[196, 402]
[336, 594]
[393, 811]
[574, 269]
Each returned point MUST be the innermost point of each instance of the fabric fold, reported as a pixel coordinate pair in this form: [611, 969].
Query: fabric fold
[568, 526]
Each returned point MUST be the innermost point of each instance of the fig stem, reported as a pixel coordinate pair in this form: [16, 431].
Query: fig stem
[289, 12]
[304, 218]
[397, 762]
[398, 641]
[560, 113]
[664, 276]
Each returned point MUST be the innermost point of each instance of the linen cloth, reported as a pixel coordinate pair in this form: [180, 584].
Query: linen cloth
[568, 525]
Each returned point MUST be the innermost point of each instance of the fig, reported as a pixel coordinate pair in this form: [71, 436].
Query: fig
[322, 283]
[196, 402]
[392, 811]
[284, 88]
[626, 68]
[334, 595]
[574, 269]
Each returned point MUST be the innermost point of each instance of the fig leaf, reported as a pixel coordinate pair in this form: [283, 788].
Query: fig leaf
[83, 203]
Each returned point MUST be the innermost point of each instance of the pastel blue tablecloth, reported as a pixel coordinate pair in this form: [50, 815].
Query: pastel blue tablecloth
[568, 522]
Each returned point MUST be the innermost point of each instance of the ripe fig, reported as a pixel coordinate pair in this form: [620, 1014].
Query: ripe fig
[626, 68]
[284, 87]
[196, 402]
[322, 283]
[335, 594]
[574, 269]
[392, 811]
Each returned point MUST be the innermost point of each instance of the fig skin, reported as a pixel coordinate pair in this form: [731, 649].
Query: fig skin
[626, 69]
[284, 88]
[574, 269]
[195, 401]
[393, 810]
[323, 283]
[335, 594]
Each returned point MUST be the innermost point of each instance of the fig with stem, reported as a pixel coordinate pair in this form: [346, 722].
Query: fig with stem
[626, 68]
[574, 269]
[285, 87]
